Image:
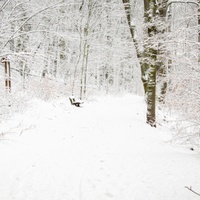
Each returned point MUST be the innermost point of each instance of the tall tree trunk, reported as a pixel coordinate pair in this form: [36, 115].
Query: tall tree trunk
[84, 67]
[150, 12]
[199, 31]
[148, 68]
[86, 71]
[163, 63]
[127, 8]
[143, 66]
[151, 97]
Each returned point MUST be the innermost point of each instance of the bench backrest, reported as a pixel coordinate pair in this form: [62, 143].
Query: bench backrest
[72, 100]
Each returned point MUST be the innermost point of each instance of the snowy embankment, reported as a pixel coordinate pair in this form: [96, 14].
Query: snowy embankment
[102, 151]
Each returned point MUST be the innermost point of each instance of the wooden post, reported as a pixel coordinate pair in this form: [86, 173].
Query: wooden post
[7, 74]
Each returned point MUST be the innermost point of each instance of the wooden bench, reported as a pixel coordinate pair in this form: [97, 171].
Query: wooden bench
[74, 102]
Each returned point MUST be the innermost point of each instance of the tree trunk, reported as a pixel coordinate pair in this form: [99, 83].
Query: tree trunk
[148, 70]
[150, 5]
[84, 68]
[143, 66]
[199, 31]
[151, 96]
[86, 71]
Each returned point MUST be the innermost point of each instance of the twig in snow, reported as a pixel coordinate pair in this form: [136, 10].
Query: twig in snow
[28, 128]
[190, 188]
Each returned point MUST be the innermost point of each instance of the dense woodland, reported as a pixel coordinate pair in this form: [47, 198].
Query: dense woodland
[92, 47]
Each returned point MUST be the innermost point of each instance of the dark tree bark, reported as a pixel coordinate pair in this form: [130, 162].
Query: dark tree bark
[149, 56]
[150, 7]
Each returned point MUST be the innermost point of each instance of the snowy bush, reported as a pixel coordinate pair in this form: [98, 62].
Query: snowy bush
[11, 103]
[44, 89]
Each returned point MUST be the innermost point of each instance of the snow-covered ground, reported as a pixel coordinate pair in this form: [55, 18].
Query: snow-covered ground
[101, 151]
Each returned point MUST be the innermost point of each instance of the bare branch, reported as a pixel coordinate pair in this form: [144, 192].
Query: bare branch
[38, 12]
[190, 188]
[189, 2]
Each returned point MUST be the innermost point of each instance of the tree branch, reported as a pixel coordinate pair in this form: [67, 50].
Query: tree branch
[189, 2]
[4, 5]
[33, 15]
[190, 188]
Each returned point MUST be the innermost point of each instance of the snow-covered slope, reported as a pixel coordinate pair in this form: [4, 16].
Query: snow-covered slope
[101, 151]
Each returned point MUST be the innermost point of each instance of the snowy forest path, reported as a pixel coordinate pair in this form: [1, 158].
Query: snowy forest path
[102, 151]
